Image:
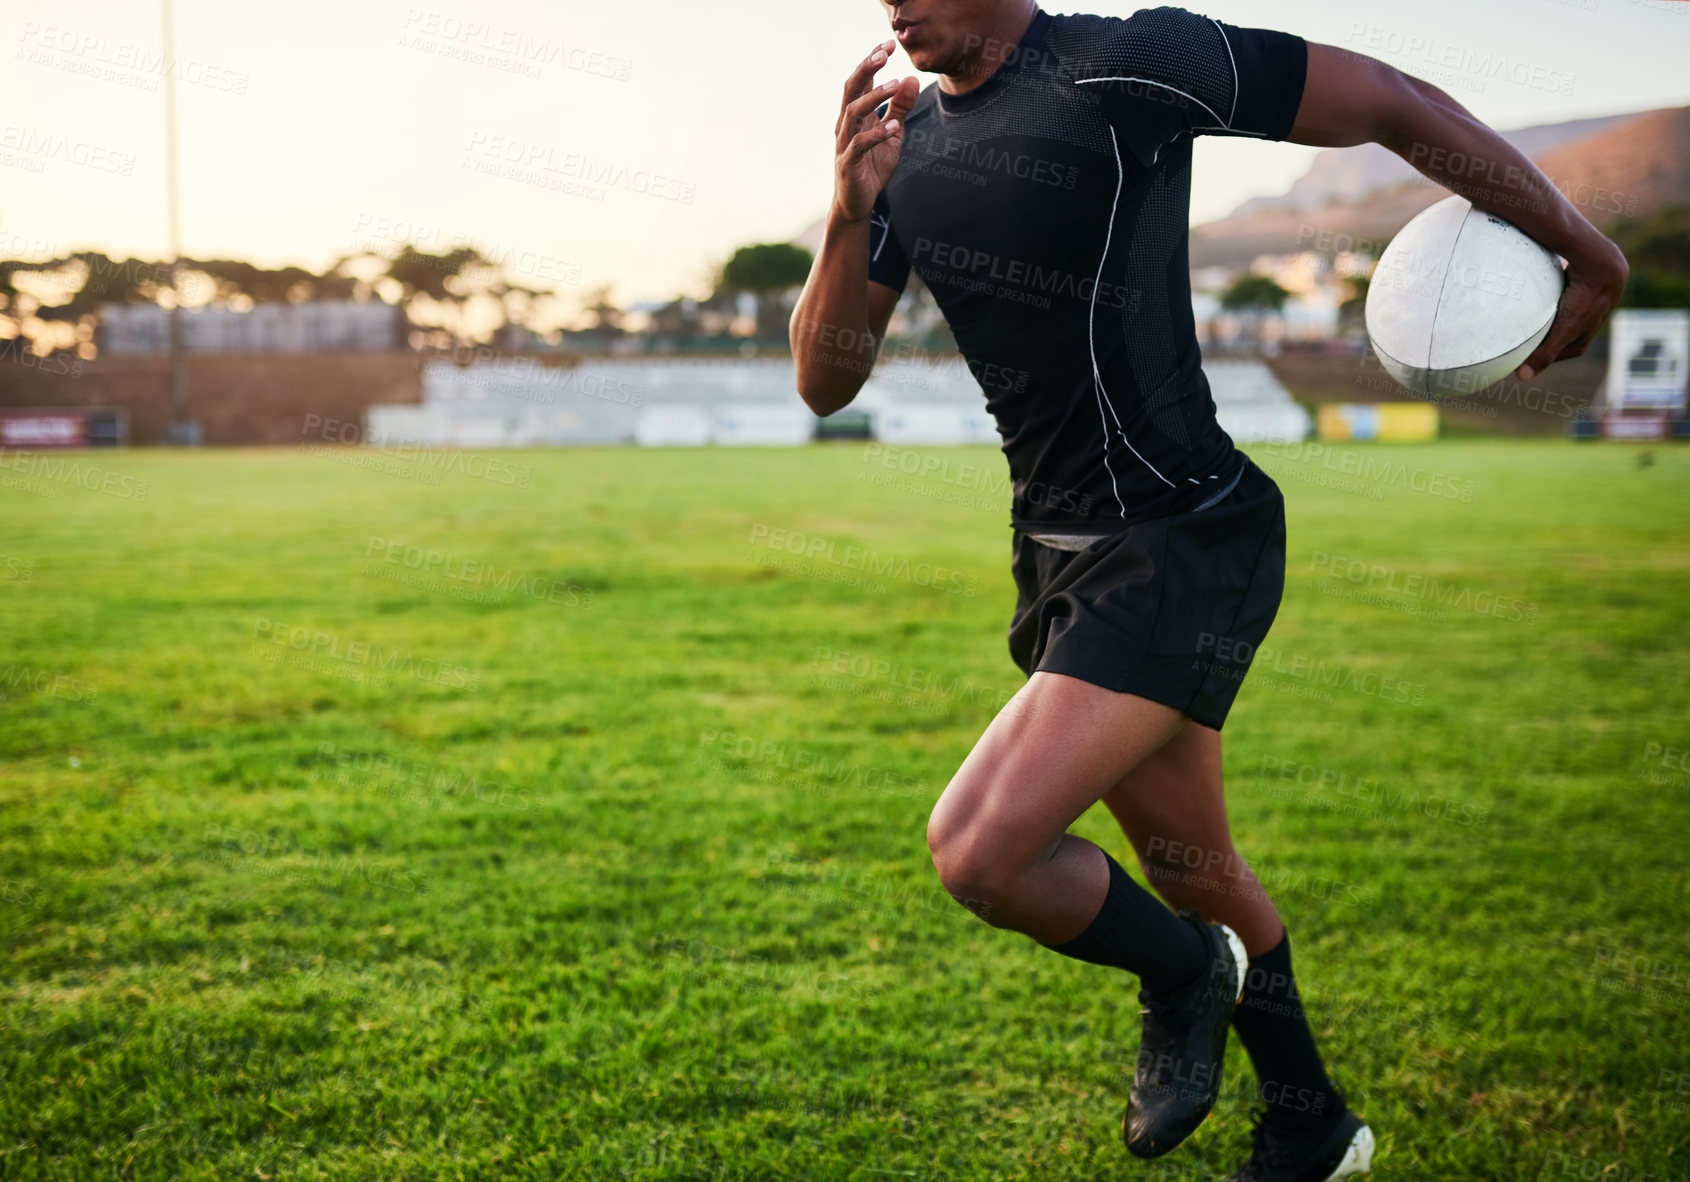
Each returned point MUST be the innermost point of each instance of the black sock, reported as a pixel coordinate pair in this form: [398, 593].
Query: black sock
[1274, 1030]
[1135, 932]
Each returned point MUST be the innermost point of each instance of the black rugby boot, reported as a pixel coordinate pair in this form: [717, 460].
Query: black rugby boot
[1178, 1074]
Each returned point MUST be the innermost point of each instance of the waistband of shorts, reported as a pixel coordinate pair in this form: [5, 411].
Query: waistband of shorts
[1082, 541]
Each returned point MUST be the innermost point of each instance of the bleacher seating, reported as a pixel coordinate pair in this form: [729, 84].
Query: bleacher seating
[517, 402]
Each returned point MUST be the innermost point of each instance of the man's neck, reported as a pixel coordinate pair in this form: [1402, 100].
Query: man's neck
[998, 41]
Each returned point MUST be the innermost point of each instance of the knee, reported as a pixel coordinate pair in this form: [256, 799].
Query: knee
[975, 867]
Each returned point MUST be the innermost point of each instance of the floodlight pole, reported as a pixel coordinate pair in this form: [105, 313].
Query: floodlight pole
[180, 430]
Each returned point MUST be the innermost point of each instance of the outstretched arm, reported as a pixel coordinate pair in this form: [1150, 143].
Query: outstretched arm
[1351, 99]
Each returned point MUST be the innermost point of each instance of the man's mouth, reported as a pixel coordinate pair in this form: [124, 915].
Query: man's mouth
[905, 30]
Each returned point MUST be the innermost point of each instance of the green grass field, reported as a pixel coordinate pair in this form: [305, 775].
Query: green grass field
[544, 815]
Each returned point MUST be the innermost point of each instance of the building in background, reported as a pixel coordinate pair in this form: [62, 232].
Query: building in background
[315, 326]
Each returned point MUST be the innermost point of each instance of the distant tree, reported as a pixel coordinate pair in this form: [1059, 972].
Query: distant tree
[85, 280]
[1251, 297]
[1254, 293]
[262, 285]
[607, 317]
[1658, 249]
[436, 290]
[768, 271]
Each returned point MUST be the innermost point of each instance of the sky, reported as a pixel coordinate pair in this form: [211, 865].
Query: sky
[313, 129]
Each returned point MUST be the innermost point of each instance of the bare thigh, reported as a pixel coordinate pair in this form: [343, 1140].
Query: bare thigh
[999, 831]
[1172, 807]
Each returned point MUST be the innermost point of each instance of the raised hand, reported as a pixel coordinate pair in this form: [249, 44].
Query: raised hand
[867, 146]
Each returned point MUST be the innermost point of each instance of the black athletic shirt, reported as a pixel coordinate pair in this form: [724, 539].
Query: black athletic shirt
[1047, 211]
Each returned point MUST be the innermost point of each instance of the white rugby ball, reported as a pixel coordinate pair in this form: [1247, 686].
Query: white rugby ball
[1459, 300]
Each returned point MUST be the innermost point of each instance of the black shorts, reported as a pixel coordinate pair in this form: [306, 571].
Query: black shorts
[1171, 609]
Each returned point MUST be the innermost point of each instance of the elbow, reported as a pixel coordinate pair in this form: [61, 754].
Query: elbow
[821, 401]
[822, 392]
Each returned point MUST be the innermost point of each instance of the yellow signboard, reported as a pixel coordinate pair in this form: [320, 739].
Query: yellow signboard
[1389, 422]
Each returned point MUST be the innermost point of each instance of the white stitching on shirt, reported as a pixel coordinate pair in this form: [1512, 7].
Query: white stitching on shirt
[1233, 114]
[1097, 375]
[887, 222]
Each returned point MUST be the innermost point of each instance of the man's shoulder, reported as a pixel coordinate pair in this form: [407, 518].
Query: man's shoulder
[1090, 45]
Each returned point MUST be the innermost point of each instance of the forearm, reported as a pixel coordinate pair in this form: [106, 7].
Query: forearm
[833, 348]
[1349, 98]
[1440, 138]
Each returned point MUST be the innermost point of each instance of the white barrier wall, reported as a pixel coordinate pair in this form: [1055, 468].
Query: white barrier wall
[673, 426]
[760, 424]
[517, 402]
[934, 425]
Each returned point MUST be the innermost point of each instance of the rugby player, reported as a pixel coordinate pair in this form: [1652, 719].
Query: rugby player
[1041, 189]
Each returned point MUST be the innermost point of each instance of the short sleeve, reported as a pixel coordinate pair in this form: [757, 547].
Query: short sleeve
[1163, 72]
[887, 262]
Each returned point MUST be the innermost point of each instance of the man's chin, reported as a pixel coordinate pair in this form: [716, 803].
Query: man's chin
[928, 60]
